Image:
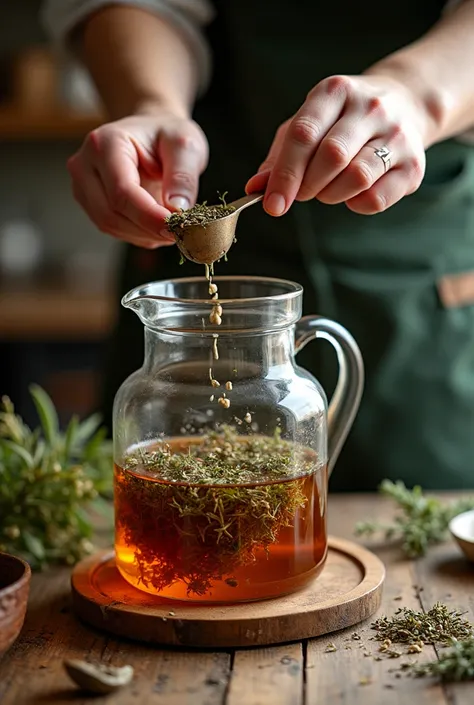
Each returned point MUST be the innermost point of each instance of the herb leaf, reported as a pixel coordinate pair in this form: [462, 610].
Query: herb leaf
[49, 480]
[422, 521]
[46, 412]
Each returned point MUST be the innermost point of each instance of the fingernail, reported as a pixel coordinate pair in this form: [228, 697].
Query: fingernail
[179, 202]
[275, 204]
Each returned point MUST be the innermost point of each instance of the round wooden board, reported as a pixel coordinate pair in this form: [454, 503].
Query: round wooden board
[347, 591]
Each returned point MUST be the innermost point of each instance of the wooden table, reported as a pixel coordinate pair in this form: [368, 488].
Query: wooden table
[292, 674]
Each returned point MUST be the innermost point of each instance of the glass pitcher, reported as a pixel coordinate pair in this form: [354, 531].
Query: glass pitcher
[223, 445]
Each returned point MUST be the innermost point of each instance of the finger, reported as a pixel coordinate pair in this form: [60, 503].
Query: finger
[259, 181]
[90, 194]
[117, 163]
[389, 189]
[183, 158]
[336, 151]
[303, 136]
[363, 171]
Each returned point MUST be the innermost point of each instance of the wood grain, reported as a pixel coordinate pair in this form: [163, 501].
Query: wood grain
[445, 575]
[347, 591]
[367, 680]
[271, 676]
[31, 672]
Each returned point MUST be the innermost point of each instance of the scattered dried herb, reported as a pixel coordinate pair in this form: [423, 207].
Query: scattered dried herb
[48, 481]
[423, 521]
[197, 509]
[330, 648]
[455, 664]
[437, 626]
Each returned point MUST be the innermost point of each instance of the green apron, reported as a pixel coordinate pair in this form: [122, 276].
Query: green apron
[378, 276]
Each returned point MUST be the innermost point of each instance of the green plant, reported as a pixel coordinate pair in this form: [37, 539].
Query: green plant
[422, 522]
[48, 482]
[455, 664]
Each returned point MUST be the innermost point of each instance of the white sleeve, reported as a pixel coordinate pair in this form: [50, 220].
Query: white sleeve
[60, 17]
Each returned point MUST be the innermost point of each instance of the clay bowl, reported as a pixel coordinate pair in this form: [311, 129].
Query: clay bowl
[462, 530]
[15, 576]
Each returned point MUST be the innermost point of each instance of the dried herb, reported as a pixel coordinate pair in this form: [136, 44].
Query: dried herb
[437, 626]
[200, 214]
[455, 664]
[48, 480]
[196, 511]
[423, 521]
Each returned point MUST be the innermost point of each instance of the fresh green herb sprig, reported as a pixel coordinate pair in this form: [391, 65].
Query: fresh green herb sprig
[422, 521]
[48, 480]
[437, 626]
[455, 664]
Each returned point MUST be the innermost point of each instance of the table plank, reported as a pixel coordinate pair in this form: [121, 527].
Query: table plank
[348, 675]
[272, 676]
[31, 673]
[446, 576]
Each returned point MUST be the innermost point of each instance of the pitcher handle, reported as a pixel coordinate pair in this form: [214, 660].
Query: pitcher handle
[350, 383]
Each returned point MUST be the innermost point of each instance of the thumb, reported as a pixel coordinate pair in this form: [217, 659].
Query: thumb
[183, 159]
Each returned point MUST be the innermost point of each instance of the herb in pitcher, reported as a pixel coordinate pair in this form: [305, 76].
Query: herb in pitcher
[195, 510]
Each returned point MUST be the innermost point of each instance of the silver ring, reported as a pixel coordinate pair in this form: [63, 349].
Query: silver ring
[385, 155]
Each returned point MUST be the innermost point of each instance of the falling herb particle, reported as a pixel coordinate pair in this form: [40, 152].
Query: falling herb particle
[232, 582]
[365, 680]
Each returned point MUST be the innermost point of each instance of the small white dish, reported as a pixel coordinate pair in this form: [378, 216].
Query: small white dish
[462, 530]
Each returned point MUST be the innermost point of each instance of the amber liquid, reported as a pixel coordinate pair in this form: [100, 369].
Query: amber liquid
[146, 545]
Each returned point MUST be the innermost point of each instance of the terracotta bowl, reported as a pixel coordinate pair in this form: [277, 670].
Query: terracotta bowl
[15, 576]
[462, 530]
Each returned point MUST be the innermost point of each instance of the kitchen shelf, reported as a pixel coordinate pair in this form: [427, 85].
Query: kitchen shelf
[48, 312]
[16, 124]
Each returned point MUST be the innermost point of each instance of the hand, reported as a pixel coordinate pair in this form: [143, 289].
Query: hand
[327, 150]
[128, 175]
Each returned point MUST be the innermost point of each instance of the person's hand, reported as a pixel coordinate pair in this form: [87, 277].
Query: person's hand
[129, 174]
[327, 150]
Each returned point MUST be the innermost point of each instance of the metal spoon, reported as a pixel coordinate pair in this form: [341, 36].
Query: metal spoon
[207, 244]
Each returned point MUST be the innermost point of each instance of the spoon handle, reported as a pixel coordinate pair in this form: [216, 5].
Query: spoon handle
[246, 201]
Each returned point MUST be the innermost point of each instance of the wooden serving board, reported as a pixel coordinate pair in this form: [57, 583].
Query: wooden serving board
[348, 590]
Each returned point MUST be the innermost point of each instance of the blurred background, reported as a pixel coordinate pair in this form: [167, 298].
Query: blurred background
[56, 269]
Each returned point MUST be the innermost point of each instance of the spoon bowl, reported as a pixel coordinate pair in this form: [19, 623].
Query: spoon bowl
[208, 244]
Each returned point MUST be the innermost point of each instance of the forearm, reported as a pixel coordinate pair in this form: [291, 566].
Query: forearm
[138, 61]
[438, 70]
